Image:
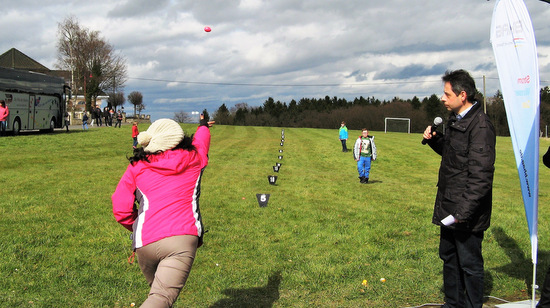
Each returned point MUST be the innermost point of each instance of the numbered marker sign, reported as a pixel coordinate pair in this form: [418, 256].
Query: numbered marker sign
[280, 157]
[278, 164]
[276, 168]
[280, 151]
[272, 179]
[262, 199]
[281, 144]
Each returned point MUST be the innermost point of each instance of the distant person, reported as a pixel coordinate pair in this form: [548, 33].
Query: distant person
[544, 301]
[111, 116]
[118, 119]
[164, 179]
[107, 116]
[93, 116]
[4, 113]
[135, 133]
[343, 135]
[97, 112]
[67, 120]
[364, 152]
[84, 121]
[464, 189]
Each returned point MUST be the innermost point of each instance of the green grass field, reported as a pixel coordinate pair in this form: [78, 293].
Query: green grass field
[320, 236]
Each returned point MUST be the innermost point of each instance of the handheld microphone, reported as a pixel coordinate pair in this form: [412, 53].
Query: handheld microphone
[437, 122]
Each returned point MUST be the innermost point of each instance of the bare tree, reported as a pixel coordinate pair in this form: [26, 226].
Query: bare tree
[140, 108]
[243, 106]
[69, 31]
[95, 67]
[181, 117]
[136, 98]
[116, 99]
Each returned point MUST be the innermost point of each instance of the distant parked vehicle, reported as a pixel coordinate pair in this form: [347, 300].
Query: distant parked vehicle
[35, 101]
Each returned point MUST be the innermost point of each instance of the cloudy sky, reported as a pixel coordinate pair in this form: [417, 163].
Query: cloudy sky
[285, 49]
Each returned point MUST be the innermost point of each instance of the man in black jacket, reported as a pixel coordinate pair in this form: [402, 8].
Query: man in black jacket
[464, 195]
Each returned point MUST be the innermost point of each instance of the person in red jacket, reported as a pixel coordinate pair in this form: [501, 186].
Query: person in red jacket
[4, 112]
[164, 179]
[135, 133]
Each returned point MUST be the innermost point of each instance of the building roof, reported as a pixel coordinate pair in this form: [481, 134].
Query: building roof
[14, 58]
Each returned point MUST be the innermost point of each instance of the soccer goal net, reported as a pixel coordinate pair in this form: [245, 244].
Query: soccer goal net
[401, 125]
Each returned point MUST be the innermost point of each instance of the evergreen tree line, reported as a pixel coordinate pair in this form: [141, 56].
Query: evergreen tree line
[362, 112]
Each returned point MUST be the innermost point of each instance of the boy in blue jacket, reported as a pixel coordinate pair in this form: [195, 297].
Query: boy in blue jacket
[343, 134]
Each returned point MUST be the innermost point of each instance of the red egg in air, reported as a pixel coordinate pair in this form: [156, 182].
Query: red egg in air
[207, 29]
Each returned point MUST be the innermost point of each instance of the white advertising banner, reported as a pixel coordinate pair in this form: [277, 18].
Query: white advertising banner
[515, 50]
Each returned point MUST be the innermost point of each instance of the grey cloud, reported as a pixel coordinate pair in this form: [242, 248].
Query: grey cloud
[410, 71]
[137, 8]
[357, 75]
[487, 67]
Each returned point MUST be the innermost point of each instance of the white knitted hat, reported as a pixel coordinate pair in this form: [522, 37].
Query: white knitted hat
[162, 135]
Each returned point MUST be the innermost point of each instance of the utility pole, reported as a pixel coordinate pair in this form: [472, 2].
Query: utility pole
[484, 96]
[85, 98]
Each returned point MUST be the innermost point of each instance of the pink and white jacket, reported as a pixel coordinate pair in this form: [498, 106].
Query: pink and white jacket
[4, 112]
[167, 191]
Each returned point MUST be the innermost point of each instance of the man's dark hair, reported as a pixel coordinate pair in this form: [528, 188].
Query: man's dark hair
[461, 80]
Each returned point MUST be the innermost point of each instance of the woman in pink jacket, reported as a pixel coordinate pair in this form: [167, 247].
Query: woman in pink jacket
[4, 112]
[163, 181]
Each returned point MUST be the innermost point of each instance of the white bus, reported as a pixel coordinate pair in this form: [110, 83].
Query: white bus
[35, 101]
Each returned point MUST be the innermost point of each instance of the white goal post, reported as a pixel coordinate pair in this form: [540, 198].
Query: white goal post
[397, 125]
